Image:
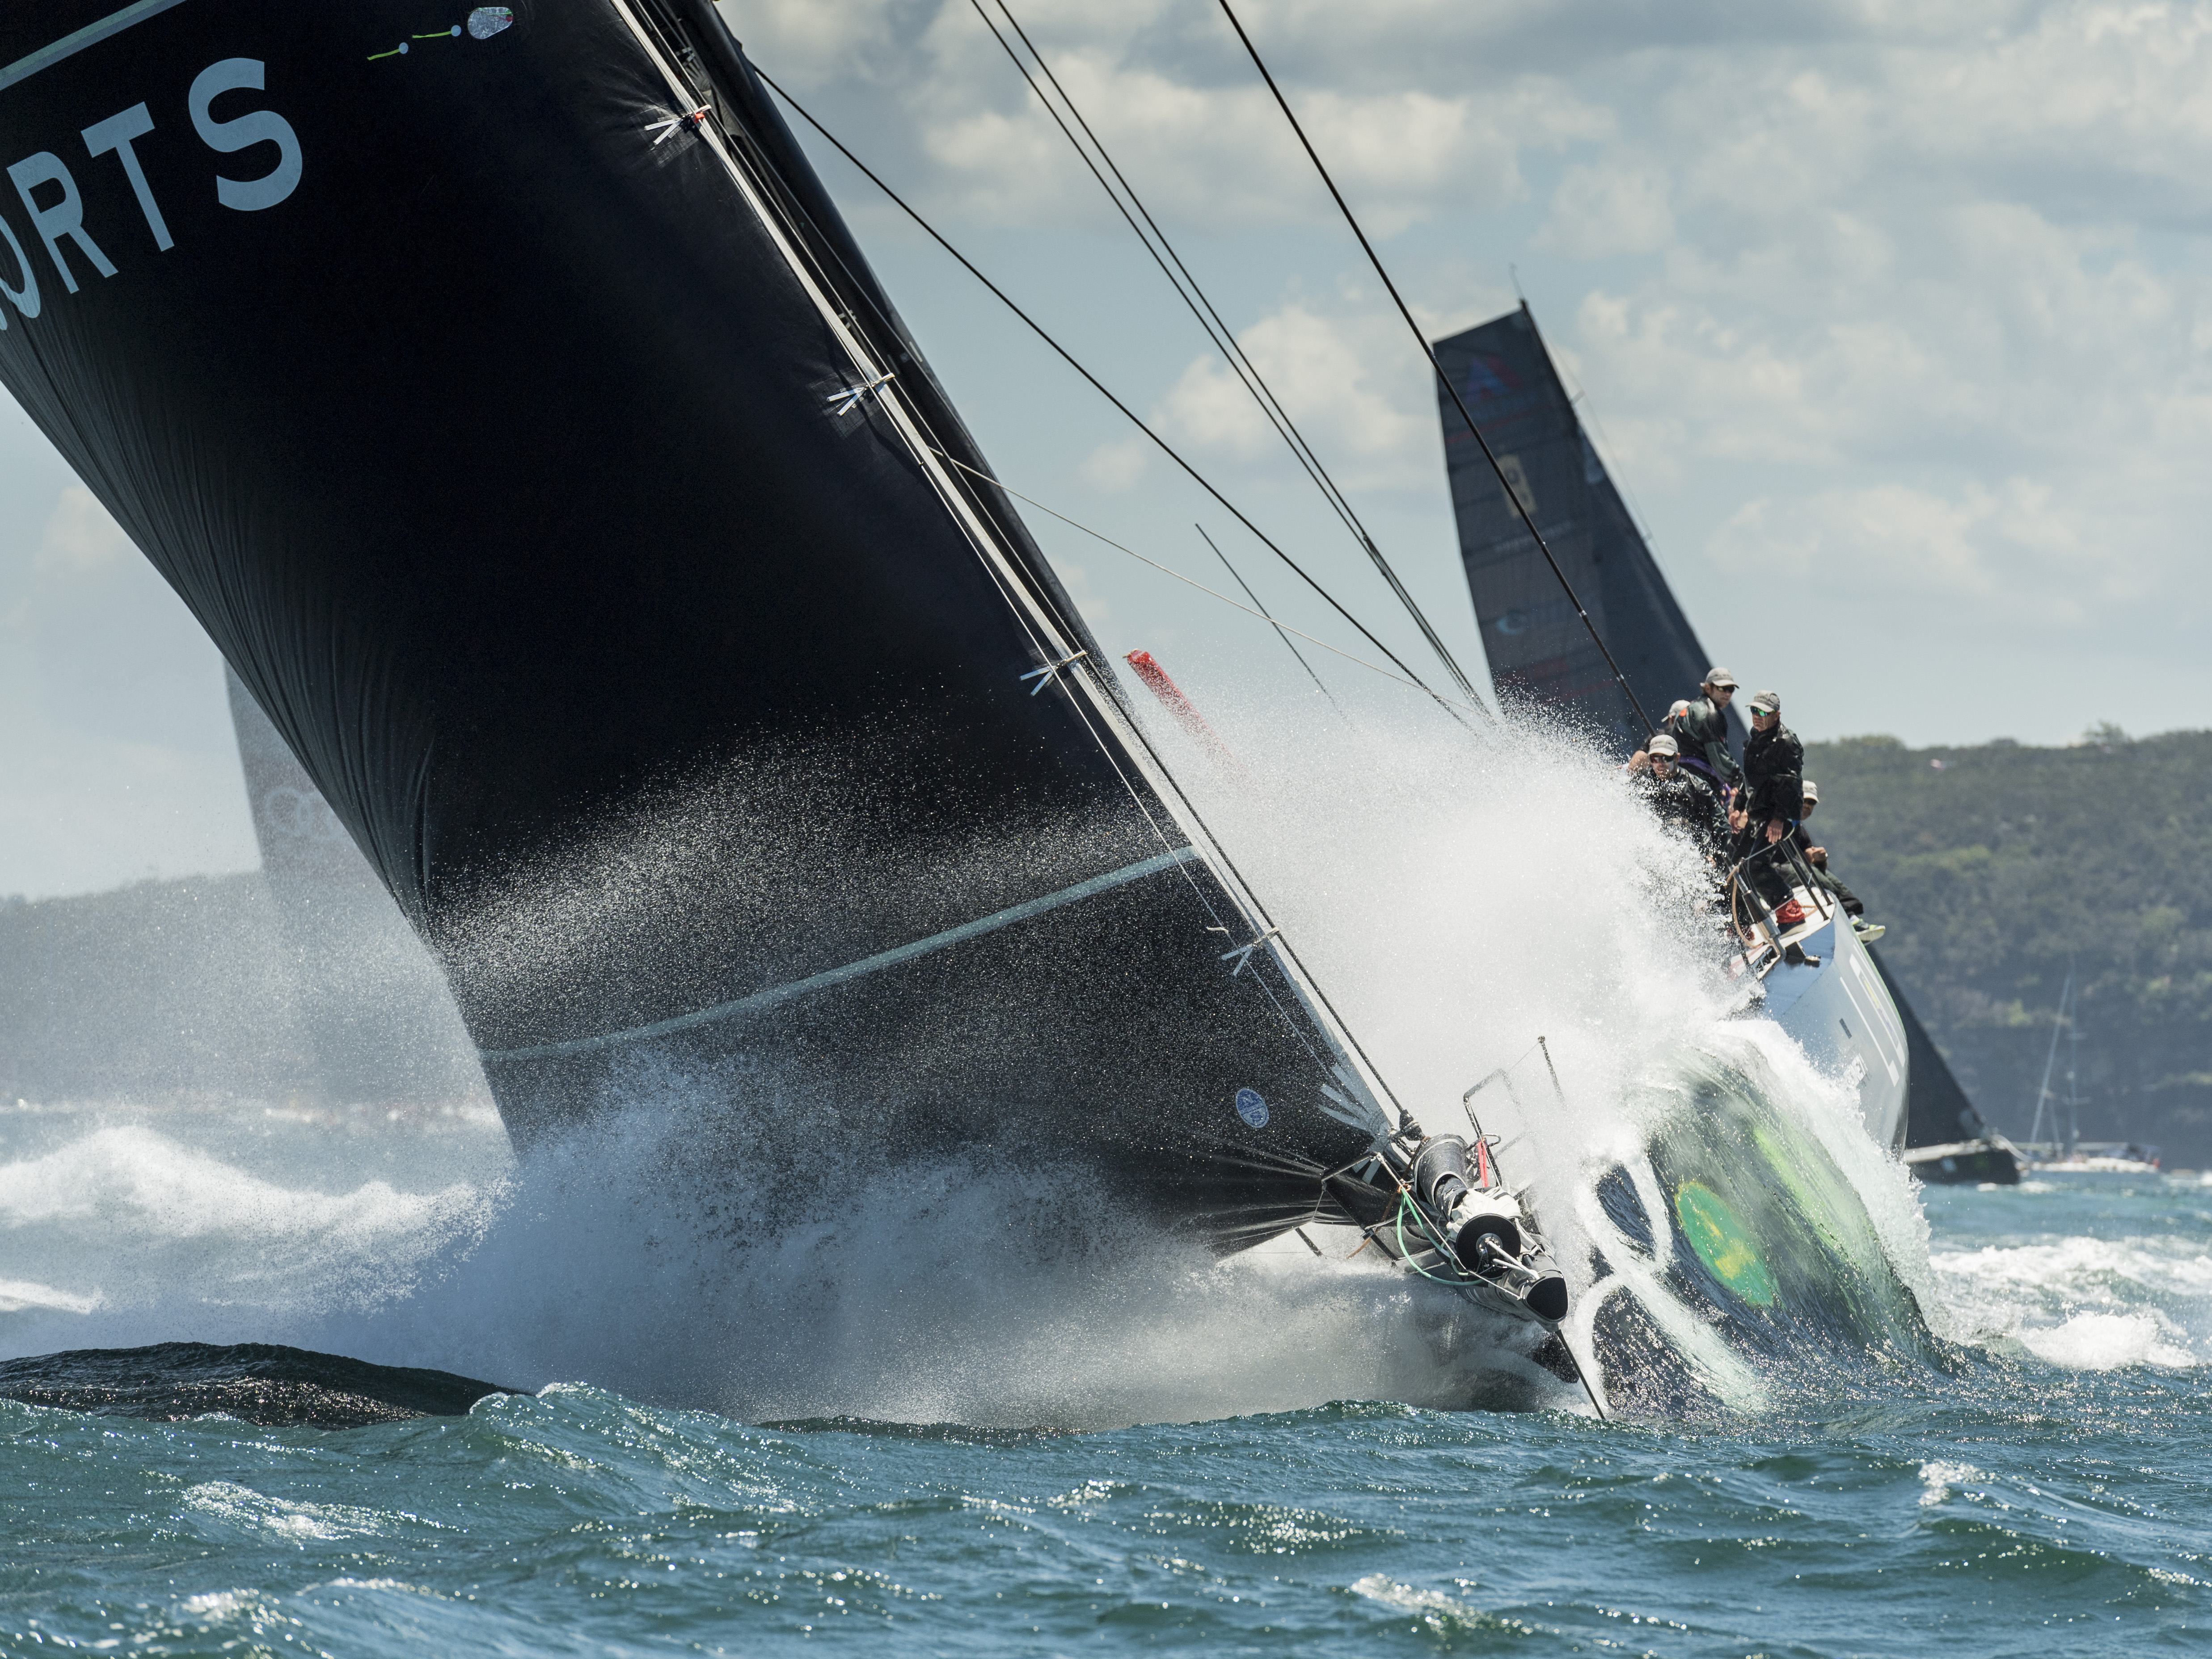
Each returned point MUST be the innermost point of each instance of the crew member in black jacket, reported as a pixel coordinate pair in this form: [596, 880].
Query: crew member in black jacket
[1684, 801]
[1772, 796]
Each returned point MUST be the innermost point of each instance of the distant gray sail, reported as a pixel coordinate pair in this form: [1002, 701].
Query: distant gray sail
[1538, 649]
[374, 1007]
[300, 837]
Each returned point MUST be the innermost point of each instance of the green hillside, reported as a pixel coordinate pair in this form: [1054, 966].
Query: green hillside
[1998, 868]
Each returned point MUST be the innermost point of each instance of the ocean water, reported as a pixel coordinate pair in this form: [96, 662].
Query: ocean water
[966, 1412]
[2044, 1485]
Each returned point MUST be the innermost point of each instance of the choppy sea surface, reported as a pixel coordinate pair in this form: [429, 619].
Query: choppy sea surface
[2047, 1490]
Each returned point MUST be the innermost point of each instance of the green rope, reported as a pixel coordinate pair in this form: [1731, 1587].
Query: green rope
[1406, 1202]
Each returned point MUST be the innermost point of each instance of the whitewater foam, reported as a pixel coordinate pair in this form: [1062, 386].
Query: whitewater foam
[1459, 896]
[1940, 1480]
[128, 1234]
[2106, 1341]
[2084, 1302]
[18, 1294]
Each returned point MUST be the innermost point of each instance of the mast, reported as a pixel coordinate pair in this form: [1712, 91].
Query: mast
[1069, 660]
[2050, 1059]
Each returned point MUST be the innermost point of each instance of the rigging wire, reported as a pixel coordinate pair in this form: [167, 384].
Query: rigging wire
[862, 350]
[1099, 386]
[1528, 518]
[1018, 584]
[1167, 570]
[1280, 632]
[1240, 891]
[1210, 321]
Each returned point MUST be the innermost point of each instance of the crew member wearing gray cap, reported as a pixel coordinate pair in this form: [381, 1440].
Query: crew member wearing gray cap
[1773, 794]
[1702, 729]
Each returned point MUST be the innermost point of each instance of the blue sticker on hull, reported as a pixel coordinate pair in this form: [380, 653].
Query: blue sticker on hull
[1251, 1108]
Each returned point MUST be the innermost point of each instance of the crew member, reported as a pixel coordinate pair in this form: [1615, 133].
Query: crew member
[1772, 796]
[1701, 731]
[1641, 760]
[1818, 858]
[1684, 801]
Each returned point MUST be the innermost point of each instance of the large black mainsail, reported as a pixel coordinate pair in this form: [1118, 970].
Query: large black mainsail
[501, 391]
[1538, 649]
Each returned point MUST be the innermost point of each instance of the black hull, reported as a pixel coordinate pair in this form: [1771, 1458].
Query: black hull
[492, 406]
[1972, 1163]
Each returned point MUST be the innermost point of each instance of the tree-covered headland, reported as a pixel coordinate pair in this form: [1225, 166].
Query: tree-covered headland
[1998, 867]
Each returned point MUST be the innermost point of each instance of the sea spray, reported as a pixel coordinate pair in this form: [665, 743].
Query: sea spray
[1458, 895]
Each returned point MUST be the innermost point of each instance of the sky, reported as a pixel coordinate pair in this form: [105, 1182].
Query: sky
[1893, 322]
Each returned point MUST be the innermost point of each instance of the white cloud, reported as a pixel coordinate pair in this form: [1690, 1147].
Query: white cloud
[1117, 468]
[1165, 87]
[1620, 206]
[80, 536]
[2013, 550]
[1225, 157]
[1347, 379]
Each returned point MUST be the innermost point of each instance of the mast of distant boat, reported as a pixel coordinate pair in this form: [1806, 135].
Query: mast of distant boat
[2043, 1094]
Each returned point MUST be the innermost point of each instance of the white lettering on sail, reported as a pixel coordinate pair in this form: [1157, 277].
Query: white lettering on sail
[25, 299]
[1517, 479]
[66, 218]
[115, 134]
[240, 132]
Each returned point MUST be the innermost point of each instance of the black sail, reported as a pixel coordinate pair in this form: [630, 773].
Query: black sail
[502, 392]
[1937, 1111]
[1538, 649]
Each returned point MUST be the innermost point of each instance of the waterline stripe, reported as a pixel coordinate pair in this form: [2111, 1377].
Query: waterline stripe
[775, 993]
[90, 35]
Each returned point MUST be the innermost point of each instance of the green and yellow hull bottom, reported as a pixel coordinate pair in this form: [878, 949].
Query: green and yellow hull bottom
[1736, 1250]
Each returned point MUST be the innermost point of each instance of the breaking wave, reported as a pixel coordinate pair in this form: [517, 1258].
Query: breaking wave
[2084, 1272]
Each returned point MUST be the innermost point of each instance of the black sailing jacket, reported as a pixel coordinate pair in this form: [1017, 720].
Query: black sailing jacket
[1702, 730]
[1774, 771]
[1687, 801]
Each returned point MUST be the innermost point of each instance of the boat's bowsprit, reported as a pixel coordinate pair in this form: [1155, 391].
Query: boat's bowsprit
[1451, 1219]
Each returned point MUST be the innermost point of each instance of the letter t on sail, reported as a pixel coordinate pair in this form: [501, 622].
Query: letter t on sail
[117, 134]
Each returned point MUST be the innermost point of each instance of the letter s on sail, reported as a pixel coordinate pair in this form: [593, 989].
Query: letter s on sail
[256, 127]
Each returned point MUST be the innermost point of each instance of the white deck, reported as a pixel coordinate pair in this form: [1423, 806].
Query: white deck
[1842, 1016]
